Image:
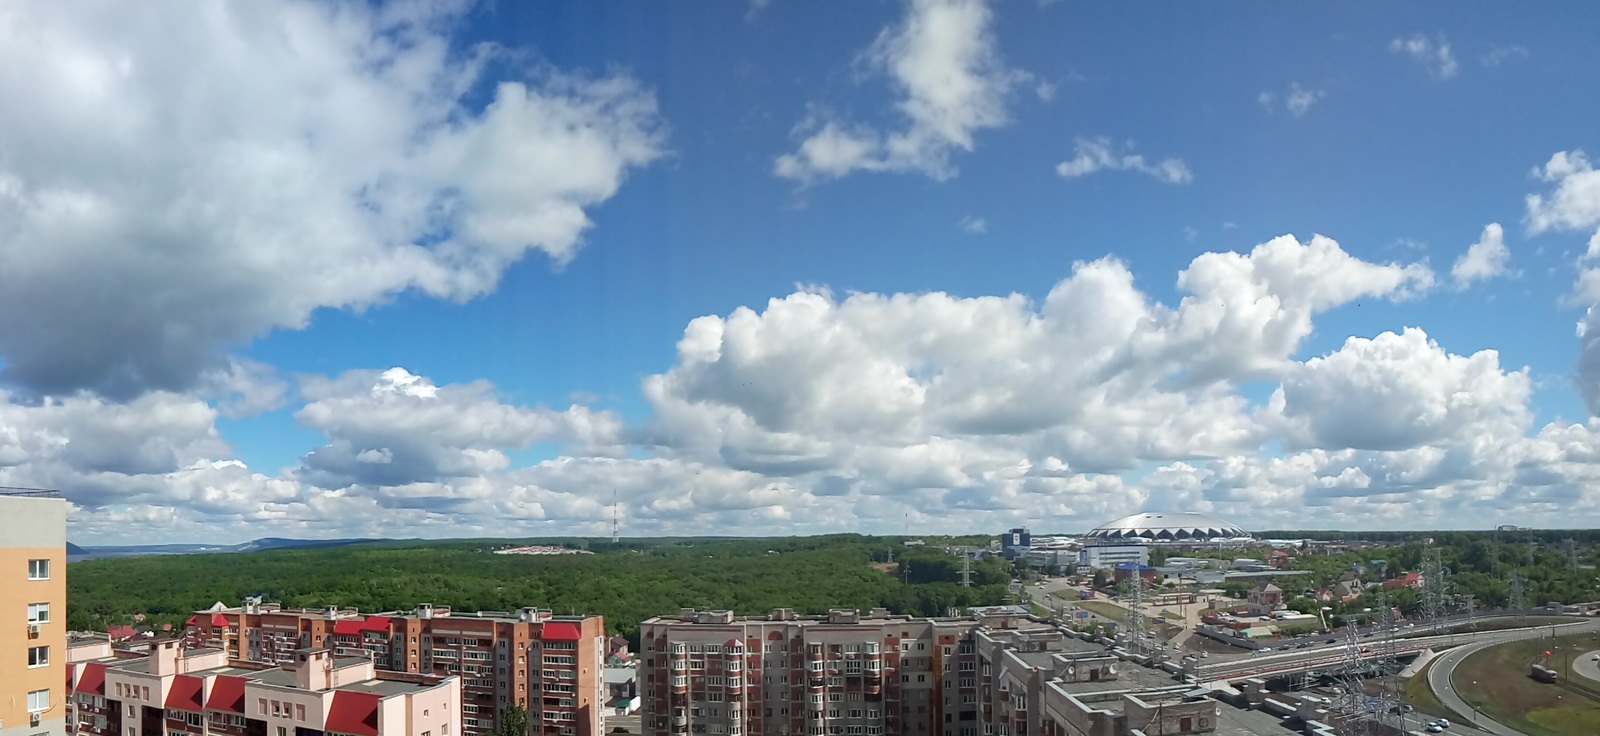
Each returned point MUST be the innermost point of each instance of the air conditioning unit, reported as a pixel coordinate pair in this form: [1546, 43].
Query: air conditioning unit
[33, 719]
[33, 629]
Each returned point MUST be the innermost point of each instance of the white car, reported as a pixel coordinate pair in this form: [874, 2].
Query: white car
[1434, 728]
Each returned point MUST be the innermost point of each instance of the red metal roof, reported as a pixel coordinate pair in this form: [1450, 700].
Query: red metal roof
[227, 694]
[353, 712]
[561, 631]
[218, 620]
[192, 620]
[347, 626]
[92, 679]
[185, 693]
[375, 623]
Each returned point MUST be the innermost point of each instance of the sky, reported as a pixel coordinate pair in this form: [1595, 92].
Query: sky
[453, 269]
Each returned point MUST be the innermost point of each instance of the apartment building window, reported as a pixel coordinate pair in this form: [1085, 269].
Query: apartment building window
[38, 656]
[38, 569]
[833, 712]
[38, 613]
[835, 697]
[38, 701]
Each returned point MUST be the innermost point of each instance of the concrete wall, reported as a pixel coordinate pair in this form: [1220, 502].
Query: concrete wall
[1171, 717]
[32, 528]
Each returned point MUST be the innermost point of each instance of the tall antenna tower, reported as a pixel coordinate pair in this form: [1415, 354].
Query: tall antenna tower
[966, 568]
[616, 518]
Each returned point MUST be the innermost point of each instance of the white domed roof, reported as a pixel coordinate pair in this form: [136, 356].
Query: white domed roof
[1168, 527]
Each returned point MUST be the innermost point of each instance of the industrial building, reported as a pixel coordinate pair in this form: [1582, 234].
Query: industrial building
[551, 666]
[33, 612]
[176, 691]
[1111, 556]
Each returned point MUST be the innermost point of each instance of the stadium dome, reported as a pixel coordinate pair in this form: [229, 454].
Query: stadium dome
[1168, 527]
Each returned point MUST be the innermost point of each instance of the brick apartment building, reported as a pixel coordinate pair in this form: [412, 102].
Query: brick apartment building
[551, 666]
[33, 612]
[844, 674]
[172, 690]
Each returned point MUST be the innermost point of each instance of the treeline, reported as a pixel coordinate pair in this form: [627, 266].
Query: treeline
[1479, 564]
[626, 582]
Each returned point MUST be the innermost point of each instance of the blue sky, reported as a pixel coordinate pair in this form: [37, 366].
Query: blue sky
[1398, 130]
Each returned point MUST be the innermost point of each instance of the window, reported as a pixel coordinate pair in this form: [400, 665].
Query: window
[38, 569]
[300, 713]
[38, 613]
[283, 731]
[38, 656]
[38, 701]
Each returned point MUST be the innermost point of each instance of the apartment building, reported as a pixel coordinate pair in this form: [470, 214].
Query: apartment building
[845, 674]
[710, 672]
[177, 691]
[33, 612]
[551, 666]
[1036, 680]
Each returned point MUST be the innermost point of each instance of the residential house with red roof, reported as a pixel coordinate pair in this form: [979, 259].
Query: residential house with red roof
[551, 666]
[178, 691]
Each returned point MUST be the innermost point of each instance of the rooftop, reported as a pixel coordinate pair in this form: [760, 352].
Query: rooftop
[30, 492]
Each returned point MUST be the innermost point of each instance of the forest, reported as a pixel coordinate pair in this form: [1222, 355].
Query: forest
[626, 582]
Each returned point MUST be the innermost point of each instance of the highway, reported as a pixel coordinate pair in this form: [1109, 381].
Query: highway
[1441, 672]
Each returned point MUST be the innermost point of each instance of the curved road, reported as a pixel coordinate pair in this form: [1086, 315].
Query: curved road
[1443, 668]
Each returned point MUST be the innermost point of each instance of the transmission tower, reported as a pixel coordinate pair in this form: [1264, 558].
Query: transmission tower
[1435, 589]
[1134, 600]
[1470, 605]
[616, 518]
[1516, 597]
[1355, 711]
[966, 568]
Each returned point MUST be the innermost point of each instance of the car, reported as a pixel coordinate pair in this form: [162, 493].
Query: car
[1443, 722]
[1434, 728]
[1264, 649]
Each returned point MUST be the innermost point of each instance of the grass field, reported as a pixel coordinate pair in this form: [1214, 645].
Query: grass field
[1496, 680]
[1106, 609]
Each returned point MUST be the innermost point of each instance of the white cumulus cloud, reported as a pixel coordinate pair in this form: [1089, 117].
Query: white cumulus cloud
[870, 411]
[1432, 53]
[210, 172]
[1484, 259]
[1100, 154]
[951, 83]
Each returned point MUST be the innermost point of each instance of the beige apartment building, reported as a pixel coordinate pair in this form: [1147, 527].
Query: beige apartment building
[176, 691]
[33, 613]
[551, 666]
[709, 672]
[845, 674]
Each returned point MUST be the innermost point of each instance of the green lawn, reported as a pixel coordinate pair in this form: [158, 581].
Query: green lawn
[1106, 609]
[1496, 680]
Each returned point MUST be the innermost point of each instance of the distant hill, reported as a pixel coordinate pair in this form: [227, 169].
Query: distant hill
[76, 552]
